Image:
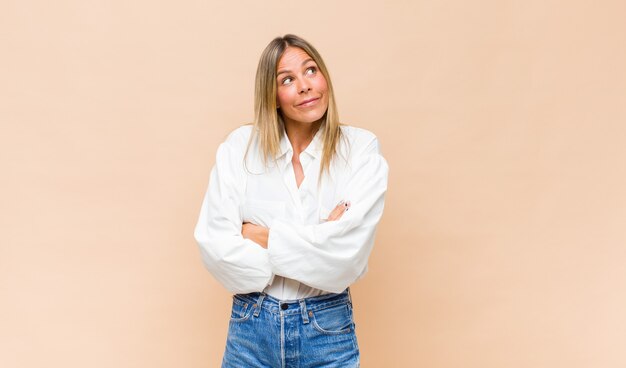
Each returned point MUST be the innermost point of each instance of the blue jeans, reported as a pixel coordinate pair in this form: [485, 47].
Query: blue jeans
[309, 332]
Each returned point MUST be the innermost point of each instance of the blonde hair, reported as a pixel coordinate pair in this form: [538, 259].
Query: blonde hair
[268, 123]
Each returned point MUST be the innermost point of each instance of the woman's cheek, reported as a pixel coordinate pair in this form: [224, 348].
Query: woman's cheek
[320, 82]
[283, 97]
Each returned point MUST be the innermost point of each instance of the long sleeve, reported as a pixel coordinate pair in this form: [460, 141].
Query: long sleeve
[332, 255]
[239, 264]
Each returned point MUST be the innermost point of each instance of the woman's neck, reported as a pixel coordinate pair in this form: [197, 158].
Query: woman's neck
[300, 135]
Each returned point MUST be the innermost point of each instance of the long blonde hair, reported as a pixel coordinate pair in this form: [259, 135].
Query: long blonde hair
[268, 123]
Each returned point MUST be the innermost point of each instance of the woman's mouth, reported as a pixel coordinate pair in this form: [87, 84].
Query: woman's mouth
[309, 102]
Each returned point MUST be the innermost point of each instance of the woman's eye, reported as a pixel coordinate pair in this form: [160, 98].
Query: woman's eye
[286, 80]
[310, 70]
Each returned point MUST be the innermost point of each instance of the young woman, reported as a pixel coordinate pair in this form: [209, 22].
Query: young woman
[288, 221]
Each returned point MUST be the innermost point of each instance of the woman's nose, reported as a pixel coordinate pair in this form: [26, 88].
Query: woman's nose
[304, 87]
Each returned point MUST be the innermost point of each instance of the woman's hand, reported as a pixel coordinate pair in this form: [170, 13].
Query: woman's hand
[338, 211]
[256, 233]
[259, 234]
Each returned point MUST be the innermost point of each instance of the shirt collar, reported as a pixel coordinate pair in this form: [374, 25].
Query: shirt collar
[314, 148]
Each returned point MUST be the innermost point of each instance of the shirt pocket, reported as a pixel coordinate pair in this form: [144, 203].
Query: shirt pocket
[262, 212]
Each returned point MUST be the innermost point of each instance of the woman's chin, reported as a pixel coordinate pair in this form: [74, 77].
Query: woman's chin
[305, 119]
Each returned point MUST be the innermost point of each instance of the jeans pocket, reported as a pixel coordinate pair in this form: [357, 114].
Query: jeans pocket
[333, 320]
[241, 310]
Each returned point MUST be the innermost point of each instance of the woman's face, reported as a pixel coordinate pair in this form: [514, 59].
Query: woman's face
[302, 92]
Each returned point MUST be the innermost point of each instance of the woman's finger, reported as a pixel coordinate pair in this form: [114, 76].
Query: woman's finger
[339, 210]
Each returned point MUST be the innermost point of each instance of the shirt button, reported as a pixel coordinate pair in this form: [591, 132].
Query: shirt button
[284, 306]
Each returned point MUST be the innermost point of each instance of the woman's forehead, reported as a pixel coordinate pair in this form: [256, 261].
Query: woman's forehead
[292, 57]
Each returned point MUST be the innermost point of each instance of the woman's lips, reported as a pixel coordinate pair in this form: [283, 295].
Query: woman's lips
[309, 102]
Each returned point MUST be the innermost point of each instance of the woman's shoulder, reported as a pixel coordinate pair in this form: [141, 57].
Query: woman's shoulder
[240, 136]
[358, 138]
[356, 133]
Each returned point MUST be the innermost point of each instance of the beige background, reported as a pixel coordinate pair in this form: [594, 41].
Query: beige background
[503, 240]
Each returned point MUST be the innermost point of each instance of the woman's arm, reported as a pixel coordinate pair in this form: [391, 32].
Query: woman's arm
[259, 234]
[332, 255]
[237, 263]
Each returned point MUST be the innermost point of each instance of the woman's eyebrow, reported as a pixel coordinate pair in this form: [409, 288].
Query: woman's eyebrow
[289, 71]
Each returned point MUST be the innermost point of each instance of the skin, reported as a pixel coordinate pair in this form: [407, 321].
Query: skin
[302, 99]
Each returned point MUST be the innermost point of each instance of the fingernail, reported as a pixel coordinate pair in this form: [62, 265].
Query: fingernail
[340, 202]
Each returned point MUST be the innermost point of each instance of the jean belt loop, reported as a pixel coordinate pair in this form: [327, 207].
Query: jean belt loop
[349, 295]
[305, 314]
[258, 304]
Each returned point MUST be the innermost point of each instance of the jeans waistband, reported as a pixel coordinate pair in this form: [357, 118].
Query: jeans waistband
[261, 300]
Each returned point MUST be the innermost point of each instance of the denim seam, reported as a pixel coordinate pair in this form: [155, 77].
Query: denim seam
[259, 305]
[271, 304]
[327, 332]
[246, 313]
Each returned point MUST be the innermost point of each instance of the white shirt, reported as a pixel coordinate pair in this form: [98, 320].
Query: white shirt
[306, 255]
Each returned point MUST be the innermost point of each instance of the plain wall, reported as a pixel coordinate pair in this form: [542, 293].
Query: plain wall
[503, 241]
